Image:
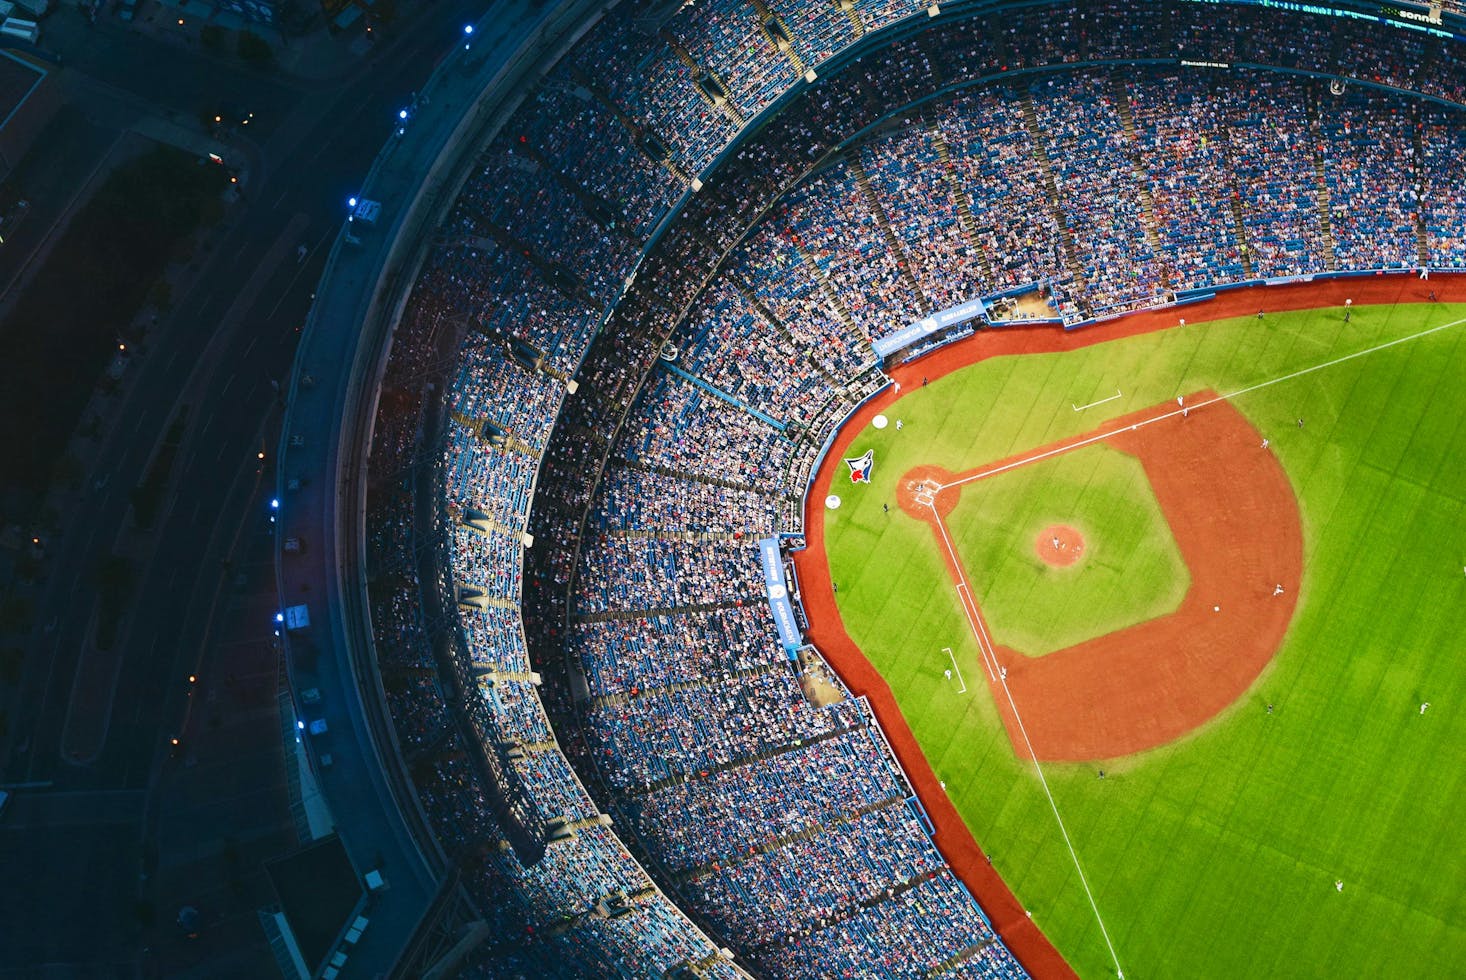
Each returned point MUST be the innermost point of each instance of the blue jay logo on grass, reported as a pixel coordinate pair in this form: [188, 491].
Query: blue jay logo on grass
[860, 466]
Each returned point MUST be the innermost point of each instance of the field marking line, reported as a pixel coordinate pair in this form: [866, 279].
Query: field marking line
[1080, 408]
[1228, 396]
[957, 669]
[985, 644]
[964, 594]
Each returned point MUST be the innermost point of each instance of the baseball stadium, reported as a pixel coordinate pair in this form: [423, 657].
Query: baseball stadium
[860, 489]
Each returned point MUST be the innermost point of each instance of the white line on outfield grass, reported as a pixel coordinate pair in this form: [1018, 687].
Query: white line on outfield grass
[953, 657]
[964, 594]
[995, 671]
[1100, 437]
[1080, 408]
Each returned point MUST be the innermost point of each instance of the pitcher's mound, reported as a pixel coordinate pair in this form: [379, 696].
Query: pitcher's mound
[1059, 545]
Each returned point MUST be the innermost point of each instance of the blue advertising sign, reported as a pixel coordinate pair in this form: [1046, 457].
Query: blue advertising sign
[777, 589]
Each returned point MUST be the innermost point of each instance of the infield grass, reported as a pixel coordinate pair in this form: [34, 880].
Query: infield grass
[1129, 571]
[1217, 855]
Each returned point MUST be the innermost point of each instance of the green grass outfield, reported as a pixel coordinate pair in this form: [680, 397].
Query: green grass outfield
[1216, 856]
[1130, 571]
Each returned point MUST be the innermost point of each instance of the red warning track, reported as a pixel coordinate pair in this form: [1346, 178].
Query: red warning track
[827, 632]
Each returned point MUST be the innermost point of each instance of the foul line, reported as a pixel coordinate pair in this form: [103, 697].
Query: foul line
[999, 676]
[1101, 436]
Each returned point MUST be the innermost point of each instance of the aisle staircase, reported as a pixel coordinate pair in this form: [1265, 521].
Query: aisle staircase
[708, 85]
[778, 34]
[965, 217]
[832, 297]
[1234, 200]
[1137, 165]
[1422, 239]
[1321, 188]
[1051, 188]
[877, 208]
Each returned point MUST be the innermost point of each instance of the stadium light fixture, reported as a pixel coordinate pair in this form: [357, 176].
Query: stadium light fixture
[468, 28]
[401, 113]
[275, 503]
[351, 202]
[279, 617]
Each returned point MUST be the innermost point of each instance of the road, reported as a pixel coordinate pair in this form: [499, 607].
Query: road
[229, 339]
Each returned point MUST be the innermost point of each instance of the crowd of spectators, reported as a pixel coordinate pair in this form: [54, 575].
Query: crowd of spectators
[785, 824]
[1183, 145]
[620, 574]
[997, 166]
[629, 655]
[1368, 154]
[733, 811]
[885, 939]
[1272, 147]
[679, 426]
[1095, 176]
[732, 346]
[1443, 163]
[832, 225]
[634, 500]
[814, 877]
[920, 199]
[569, 123]
[783, 282]
[727, 38]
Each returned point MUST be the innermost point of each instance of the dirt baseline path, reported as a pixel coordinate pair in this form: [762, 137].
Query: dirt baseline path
[1235, 520]
[827, 632]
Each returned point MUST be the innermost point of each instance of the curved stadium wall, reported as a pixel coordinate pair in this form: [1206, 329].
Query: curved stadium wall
[644, 663]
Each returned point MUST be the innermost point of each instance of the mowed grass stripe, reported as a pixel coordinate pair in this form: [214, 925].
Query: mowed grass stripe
[1216, 856]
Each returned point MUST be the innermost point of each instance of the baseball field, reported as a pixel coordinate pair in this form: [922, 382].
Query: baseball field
[1229, 630]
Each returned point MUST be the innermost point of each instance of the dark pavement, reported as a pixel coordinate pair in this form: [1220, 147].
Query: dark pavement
[84, 832]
